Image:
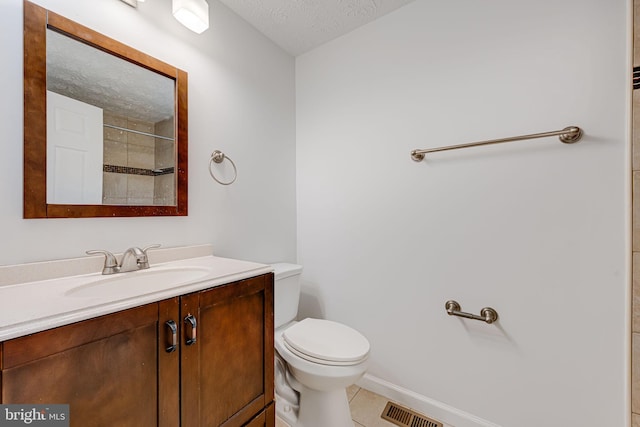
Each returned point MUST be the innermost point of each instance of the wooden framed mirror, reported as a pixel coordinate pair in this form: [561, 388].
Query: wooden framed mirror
[96, 143]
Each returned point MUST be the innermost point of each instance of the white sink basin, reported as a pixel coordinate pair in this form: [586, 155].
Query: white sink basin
[139, 282]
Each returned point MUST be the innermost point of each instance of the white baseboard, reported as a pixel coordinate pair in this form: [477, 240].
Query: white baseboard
[450, 416]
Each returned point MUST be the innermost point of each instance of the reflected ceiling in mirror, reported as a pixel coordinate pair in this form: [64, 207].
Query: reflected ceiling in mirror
[125, 111]
[82, 72]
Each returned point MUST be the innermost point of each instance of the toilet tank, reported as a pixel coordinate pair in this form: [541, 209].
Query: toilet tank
[286, 294]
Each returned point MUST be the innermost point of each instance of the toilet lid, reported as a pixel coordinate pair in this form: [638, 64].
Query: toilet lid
[326, 341]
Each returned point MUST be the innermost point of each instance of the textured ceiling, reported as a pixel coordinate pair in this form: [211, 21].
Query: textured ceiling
[300, 25]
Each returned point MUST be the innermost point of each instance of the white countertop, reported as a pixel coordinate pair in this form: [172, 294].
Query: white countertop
[35, 306]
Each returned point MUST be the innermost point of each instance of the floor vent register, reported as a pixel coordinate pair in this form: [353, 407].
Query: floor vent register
[405, 417]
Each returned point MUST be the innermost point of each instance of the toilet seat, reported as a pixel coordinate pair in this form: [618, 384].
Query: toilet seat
[326, 342]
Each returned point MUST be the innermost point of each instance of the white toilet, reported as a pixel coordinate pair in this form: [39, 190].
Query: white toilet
[316, 360]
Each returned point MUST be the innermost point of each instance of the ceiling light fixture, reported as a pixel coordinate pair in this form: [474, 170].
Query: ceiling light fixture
[193, 14]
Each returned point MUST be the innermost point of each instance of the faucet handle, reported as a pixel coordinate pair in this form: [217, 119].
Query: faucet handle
[110, 261]
[154, 246]
[145, 262]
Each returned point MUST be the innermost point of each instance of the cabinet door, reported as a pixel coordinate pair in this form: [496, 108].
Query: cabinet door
[227, 373]
[105, 368]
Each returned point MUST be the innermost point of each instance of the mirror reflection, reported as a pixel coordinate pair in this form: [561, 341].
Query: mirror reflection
[110, 128]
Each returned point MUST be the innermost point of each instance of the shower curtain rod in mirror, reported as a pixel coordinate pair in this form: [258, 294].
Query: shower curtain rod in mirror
[568, 135]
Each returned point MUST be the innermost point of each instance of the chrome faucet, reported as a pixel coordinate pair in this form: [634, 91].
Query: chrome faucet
[133, 259]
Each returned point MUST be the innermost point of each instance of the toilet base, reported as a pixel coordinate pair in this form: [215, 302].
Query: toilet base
[321, 409]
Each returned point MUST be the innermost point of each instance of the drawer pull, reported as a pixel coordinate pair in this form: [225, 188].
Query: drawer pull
[191, 338]
[173, 330]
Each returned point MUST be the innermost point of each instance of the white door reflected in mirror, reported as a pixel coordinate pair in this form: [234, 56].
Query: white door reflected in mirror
[74, 151]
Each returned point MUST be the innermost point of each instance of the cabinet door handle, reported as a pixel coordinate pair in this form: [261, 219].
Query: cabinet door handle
[173, 330]
[191, 320]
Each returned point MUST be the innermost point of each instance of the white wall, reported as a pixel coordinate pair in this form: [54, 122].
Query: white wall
[538, 230]
[241, 101]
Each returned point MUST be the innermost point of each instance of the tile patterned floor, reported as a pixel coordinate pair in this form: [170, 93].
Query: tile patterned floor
[366, 408]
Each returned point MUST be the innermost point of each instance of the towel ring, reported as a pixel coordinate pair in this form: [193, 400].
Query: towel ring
[218, 157]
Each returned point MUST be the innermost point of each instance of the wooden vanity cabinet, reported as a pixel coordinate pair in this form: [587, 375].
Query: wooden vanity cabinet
[120, 369]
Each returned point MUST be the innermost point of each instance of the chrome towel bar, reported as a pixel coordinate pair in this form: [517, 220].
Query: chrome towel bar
[487, 314]
[568, 135]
